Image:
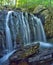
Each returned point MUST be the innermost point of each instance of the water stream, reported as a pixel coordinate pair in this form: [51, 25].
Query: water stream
[8, 34]
[29, 29]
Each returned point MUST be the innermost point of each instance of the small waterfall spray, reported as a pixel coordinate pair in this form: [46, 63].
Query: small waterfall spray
[40, 30]
[8, 33]
[13, 30]
[27, 27]
[34, 29]
[24, 28]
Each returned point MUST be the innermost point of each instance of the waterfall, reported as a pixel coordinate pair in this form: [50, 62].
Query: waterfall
[24, 28]
[40, 30]
[8, 34]
[37, 29]
[27, 27]
[34, 31]
[31, 31]
[13, 29]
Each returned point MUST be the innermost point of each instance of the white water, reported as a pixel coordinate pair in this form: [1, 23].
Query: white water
[13, 30]
[34, 29]
[46, 45]
[27, 26]
[40, 30]
[39, 34]
[6, 57]
[8, 34]
[24, 29]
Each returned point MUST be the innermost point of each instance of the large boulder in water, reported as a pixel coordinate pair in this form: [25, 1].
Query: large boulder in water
[26, 51]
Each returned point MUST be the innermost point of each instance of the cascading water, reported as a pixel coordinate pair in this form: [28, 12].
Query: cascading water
[13, 30]
[29, 29]
[40, 30]
[24, 29]
[8, 34]
[34, 29]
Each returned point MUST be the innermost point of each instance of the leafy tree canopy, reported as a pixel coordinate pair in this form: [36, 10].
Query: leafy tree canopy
[25, 3]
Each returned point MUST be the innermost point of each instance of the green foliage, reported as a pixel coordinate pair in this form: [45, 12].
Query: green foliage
[26, 3]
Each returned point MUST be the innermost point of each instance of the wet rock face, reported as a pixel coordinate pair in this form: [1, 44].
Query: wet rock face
[2, 19]
[1, 38]
[2, 30]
